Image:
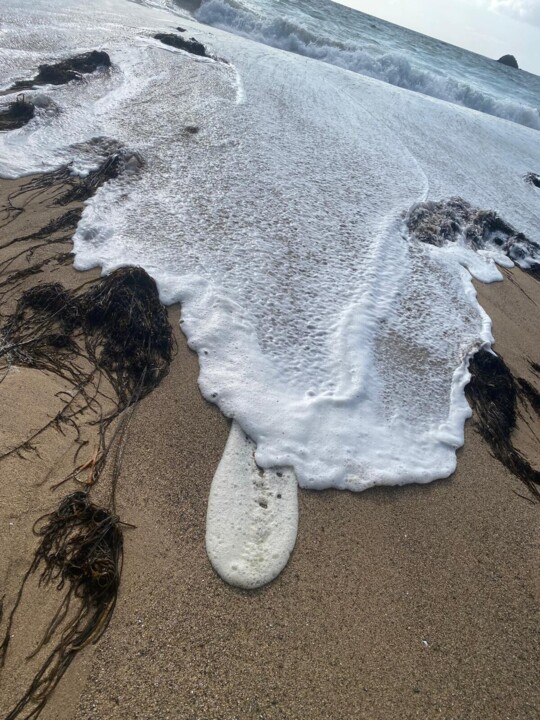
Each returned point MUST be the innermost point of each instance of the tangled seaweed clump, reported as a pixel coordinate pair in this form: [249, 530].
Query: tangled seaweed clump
[117, 329]
[119, 325]
[128, 332]
[81, 548]
[494, 394]
[17, 114]
[448, 221]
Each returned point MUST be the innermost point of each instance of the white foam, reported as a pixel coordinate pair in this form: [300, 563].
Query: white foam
[252, 517]
[339, 346]
[397, 68]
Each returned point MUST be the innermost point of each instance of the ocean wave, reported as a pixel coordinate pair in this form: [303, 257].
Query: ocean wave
[394, 68]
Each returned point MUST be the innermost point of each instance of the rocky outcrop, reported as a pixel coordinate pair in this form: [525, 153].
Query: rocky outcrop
[192, 46]
[66, 70]
[509, 60]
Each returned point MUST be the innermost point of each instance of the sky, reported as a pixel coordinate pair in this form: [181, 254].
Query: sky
[488, 27]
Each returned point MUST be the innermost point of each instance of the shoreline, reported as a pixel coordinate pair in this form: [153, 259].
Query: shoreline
[397, 602]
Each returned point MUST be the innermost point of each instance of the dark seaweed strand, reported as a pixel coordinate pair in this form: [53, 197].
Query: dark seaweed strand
[118, 327]
[530, 393]
[493, 394]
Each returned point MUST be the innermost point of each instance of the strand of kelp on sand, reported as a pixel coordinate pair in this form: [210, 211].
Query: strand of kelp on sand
[111, 342]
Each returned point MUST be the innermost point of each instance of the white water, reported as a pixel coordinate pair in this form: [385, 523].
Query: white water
[369, 46]
[339, 346]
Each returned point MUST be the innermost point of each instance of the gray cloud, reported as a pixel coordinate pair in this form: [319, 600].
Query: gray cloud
[525, 10]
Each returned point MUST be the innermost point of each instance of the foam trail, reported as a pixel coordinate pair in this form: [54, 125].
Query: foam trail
[252, 517]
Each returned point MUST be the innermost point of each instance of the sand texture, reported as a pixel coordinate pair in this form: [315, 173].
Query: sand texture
[415, 602]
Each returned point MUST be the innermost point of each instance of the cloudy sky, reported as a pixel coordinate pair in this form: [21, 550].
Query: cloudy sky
[489, 27]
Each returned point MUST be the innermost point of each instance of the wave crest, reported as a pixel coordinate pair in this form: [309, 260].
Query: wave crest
[394, 68]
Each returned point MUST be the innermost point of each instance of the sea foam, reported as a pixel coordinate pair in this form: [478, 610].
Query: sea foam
[337, 342]
[396, 68]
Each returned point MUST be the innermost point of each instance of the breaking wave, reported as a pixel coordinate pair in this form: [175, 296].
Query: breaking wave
[394, 67]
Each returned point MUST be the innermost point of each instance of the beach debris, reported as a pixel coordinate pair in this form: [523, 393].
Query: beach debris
[67, 70]
[80, 548]
[192, 46]
[121, 330]
[82, 188]
[453, 220]
[119, 325]
[112, 341]
[16, 114]
[494, 394]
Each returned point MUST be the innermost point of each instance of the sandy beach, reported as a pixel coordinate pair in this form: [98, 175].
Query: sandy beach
[414, 602]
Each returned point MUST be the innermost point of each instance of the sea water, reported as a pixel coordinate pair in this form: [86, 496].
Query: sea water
[336, 341]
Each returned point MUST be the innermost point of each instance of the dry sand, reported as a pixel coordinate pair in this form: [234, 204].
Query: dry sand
[415, 602]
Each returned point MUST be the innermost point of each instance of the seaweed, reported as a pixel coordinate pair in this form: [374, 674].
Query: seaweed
[80, 548]
[17, 114]
[447, 221]
[127, 331]
[530, 393]
[493, 394]
[116, 329]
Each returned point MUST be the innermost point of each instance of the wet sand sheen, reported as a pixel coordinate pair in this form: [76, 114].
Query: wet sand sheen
[397, 603]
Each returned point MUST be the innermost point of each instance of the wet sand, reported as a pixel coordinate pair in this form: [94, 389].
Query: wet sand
[415, 602]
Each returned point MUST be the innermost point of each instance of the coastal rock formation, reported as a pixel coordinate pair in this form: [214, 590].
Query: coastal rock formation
[66, 70]
[509, 60]
[533, 179]
[192, 46]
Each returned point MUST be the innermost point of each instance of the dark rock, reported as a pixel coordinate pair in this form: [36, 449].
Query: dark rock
[509, 60]
[192, 46]
[16, 114]
[181, 29]
[66, 70]
[533, 179]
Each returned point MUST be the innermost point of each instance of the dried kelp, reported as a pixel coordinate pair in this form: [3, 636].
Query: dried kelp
[494, 394]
